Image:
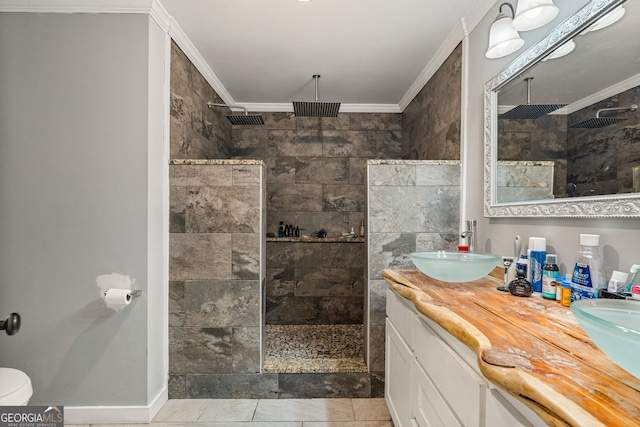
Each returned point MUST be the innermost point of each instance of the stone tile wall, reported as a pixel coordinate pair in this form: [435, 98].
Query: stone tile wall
[541, 139]
[413, 206]
[315, 166]
[196, 131]
[215, 270]
[601, 160]
[520, 181]
[431, 123]
[597, 161]
[315, 283]
[315, 180]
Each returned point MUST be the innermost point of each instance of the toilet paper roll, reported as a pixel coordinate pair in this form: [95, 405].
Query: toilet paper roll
[117, 299]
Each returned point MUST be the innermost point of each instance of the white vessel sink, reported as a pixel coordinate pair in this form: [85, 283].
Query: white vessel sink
[455, 266]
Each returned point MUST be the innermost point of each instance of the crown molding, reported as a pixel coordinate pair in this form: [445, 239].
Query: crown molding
[370, 108]
[615, 89]
[159, 14]
[462, 30]
[152, 8]
[344, 108]
[478, 11]
[433, 65]
[631, 82]
[76, 6]
[181, 39]
[155, 9]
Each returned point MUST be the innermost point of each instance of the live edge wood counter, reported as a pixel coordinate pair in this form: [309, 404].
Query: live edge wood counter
[532, 348]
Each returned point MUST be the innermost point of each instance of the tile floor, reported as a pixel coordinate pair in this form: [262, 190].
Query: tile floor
[270, 413]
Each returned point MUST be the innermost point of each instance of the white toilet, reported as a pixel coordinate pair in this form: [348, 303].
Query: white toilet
[15, 387]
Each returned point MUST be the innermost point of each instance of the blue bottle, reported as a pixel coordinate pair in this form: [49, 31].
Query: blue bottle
[537, 257]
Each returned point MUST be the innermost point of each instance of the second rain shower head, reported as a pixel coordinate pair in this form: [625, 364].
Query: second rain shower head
[600, 122]
[316, 108]
[529, 110]
[245, 119]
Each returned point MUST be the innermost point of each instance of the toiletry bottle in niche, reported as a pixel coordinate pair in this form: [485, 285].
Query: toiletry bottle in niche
[281, 229]
[587, 279]
[297, 232]
[520, 286]
[550, 273]
[537, 256]
[362, 228]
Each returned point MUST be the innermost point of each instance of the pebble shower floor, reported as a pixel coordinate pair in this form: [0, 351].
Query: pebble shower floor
[314, 348]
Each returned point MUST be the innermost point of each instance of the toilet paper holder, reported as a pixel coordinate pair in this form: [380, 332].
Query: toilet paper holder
[132, 294]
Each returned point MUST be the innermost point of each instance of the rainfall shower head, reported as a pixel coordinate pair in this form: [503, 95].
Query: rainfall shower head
[530, 111]
[316, 108]
[245, 119]
[600, 122]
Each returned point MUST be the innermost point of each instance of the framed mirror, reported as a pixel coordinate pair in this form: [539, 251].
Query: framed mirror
[561, 133]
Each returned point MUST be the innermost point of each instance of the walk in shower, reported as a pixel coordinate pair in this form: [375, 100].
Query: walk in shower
[314, 305]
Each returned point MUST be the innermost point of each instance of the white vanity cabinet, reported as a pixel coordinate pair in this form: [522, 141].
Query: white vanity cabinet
[399, 359]
[433, 380]
[398, 366]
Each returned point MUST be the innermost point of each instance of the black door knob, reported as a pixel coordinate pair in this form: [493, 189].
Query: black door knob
[11, 325]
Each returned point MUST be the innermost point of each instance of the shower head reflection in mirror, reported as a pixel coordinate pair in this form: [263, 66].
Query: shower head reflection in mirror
[610, 194]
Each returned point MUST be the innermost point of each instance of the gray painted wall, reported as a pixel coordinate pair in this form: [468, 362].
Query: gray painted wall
[75, 191]
[618, 240]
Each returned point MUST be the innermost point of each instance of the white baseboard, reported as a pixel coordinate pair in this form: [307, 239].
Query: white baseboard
[115, 414]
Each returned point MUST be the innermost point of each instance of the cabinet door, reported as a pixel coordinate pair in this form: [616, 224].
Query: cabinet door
[397, 378]
[462, 388]
[401, 313]
[427, 405]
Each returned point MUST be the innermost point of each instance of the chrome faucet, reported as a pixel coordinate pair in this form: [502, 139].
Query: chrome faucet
[470, 234]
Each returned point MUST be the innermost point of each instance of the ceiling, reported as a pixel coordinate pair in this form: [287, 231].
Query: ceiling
[604, 63]
[372, 55]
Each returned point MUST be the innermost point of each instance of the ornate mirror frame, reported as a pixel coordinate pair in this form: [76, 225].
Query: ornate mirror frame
[625, 205]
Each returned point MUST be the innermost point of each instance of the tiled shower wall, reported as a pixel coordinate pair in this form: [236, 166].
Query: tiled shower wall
[526, 180]
[315, 180]
[597, 161]
[196, 131]
[319, 283]
[431, 123]
[413, 206]
[215, 270]
[601, 160]
[541, 139]
[315, 166]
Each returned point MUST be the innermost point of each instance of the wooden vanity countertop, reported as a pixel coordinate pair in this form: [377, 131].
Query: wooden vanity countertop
[530, 347]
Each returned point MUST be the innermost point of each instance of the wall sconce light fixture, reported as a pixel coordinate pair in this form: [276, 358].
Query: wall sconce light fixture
[563, 50]
[503, 38]
[608, 19]
[532, 14]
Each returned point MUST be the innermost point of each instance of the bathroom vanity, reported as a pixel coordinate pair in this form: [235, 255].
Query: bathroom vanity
[465, 354]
